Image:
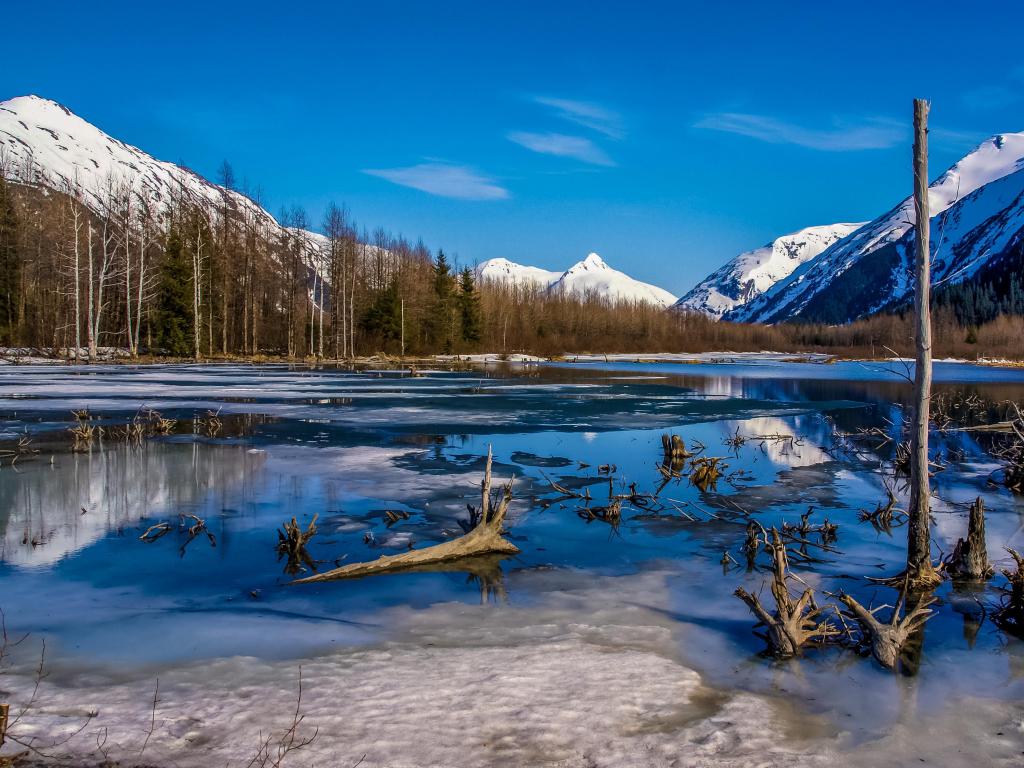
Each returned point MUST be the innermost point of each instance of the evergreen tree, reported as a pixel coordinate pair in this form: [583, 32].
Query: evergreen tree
[441, 322]
[10, 265]
[172, 322]
[469, 307]
[384, 316]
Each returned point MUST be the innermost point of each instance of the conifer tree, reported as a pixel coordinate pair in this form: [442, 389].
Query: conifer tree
[10, 265]
[383, 318]
[441, 322]
[172, 322]
[469, 307]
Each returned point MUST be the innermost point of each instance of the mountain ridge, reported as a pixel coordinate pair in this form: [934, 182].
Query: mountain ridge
[591, 275]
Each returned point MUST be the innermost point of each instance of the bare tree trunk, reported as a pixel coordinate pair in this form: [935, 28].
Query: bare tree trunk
[89, 326]
[77, 214]
[919, 563]
[197, 291]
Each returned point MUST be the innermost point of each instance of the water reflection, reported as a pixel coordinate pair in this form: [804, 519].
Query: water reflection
[52, 508]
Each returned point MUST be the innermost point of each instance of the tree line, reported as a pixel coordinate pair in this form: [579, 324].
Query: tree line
[81, 270]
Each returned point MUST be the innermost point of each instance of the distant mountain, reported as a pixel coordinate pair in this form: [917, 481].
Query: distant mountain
[505, 271]
[750, 274]
[976, 210]
[592, 276]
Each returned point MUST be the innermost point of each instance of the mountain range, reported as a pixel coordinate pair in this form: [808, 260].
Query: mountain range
[833, 273]
[977, 224]
[591, 276]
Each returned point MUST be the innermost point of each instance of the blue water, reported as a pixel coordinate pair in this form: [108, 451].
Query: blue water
[349, 445]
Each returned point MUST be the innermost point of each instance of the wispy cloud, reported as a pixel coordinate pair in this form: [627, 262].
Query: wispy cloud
[842, 136]
[445, 180]
[586, 113]
[576, 147]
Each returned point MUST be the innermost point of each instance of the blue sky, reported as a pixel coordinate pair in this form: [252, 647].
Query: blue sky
[665, 136]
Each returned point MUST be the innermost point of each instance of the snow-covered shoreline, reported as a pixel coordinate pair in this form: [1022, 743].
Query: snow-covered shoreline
[579, 680]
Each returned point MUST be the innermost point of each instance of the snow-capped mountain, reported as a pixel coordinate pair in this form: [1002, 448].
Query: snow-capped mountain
[750, 274]
[592, 276]
[505, 271]
[45, 143]
[870, 269]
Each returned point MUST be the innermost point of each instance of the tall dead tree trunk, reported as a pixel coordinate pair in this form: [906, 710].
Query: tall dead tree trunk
[919, 561]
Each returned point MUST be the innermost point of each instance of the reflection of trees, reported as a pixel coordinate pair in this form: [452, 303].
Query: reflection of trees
[50, 510]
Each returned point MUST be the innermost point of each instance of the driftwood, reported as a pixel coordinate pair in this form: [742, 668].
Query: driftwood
[883, 515]
[485, 538]
[887, 640]
[969, 560]
[1010, 615]
[793, 624]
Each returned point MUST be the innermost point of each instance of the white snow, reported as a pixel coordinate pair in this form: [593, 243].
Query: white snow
[590, 277]
[505, 271]
[590, 676]
[45, 143]
[994, 159]
[753, 272]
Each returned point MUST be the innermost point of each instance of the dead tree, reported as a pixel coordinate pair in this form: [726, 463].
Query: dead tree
[887, 640]
[484, 538]
[919, 561]
[969, 560]
[794, 622]
[291, 543]
[1010, 615]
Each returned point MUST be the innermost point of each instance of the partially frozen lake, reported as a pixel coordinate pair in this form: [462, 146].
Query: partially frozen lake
[597, 645]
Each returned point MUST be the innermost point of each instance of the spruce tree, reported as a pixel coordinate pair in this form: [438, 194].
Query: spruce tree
[469, 307]
[10, 265]
[383, 318]
[441, 323]
[172, 323]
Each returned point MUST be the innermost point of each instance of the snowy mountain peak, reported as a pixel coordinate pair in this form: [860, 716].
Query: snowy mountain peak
[44, 142]
[753, 272]
[591, 276]
[503, 270]
[869, 269]
[592, 262]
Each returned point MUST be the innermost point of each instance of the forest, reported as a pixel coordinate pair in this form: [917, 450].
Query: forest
[187, 281]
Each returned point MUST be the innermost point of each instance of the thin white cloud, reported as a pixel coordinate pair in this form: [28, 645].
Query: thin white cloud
[445, 180]
[576, 147]
[870, 133]
[587, 114]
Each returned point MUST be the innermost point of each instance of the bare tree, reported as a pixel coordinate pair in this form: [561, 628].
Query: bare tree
[919, 560]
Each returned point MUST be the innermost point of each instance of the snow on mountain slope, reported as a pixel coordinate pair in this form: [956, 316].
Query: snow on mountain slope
[813, 290]
[590, 276]
[503, 270]
[45, 143]
[593, 276]
[753, 272]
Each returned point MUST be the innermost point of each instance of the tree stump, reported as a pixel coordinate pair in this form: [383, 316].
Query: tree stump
[888, 640]
[793, 624]
[969, 560]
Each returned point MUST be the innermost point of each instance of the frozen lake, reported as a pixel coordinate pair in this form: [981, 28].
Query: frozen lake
[597, 645]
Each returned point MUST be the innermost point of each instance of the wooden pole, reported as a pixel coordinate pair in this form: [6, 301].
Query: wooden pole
[919, 563]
